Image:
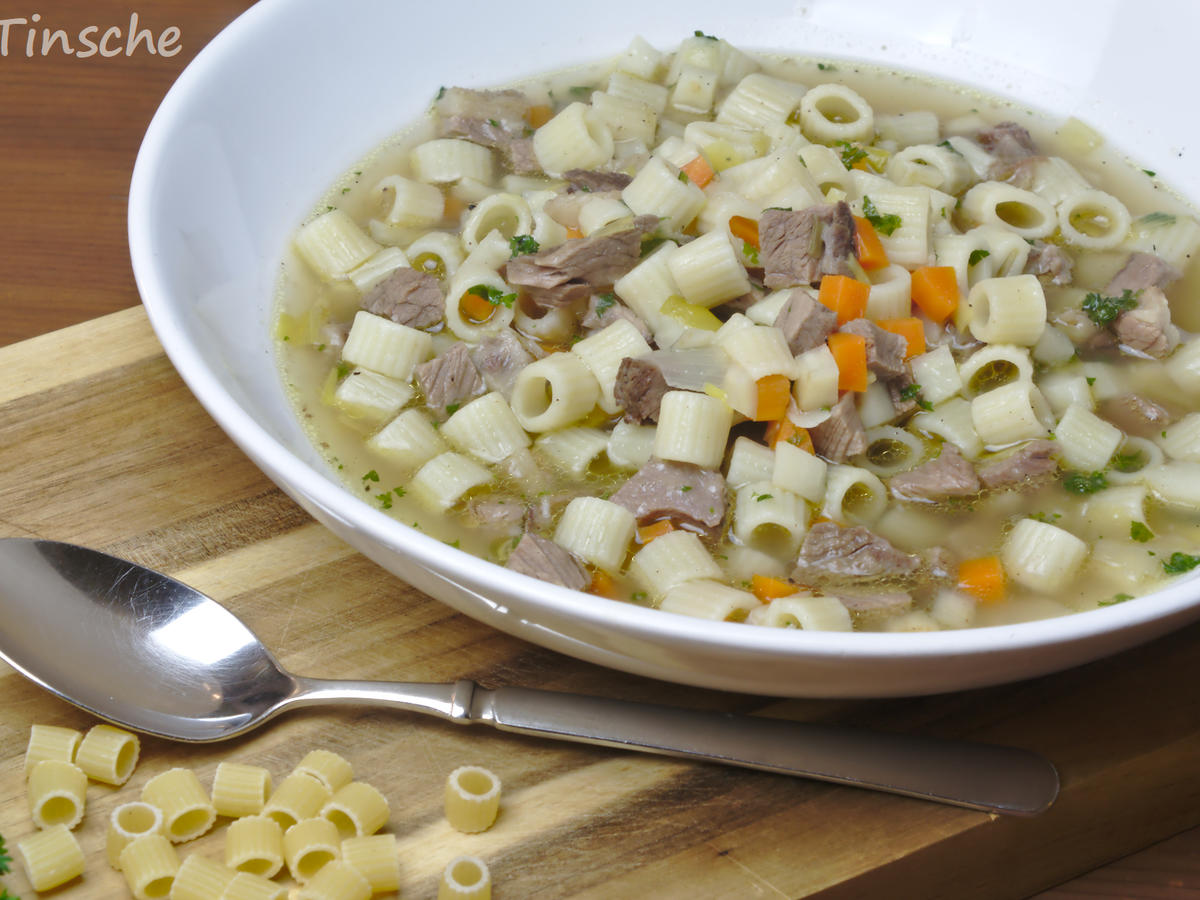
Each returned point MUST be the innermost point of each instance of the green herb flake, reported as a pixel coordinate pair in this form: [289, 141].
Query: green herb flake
[977, 256]
[581, 90]
[452, 408]
[751, 253]
[1178, 563]
[399, 491]
[1150, 172]
[521, 244]
[1116, 598]
[759, 498]
[605, 302]
[343, 369]
[441, 93]
[492, 295]
[385, 500]
[1128, 462]
[371, 476]
[826, 67]
[5, 859]
[686, 488]
[683, 176]
[1103, 310]
[638, 596]
[1140, 532]
[1084, 482]
[885, 223]
[851, 154]
[700, 34]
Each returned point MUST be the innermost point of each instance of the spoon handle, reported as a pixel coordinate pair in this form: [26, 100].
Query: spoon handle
[962, 773]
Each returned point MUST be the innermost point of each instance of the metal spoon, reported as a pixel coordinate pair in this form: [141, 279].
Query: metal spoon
[145, 651]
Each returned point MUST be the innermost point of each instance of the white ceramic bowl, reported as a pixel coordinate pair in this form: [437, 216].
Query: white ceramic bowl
[295, 91]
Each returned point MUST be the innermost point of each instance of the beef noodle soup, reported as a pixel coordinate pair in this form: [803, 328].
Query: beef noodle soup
[794, 343]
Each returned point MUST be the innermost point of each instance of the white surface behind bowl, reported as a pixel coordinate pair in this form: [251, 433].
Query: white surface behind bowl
[295, 91]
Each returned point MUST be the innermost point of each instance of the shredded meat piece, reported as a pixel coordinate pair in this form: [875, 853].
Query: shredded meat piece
[1135, 415]
[833, 553]
[885, 350]
[592, 181]
[804, 321]
[1010, 144]
[947, 475]
[495, 119]
[639, 389]
[1026, 467]
[1142, 270]
[572, 271]
[797, 247]
[1050, 260]
[499, 359]
[1147, 327]
[841, 435]
[408, 297]
[542, 558]
[449, 379]
[662, 489]
[604, 309]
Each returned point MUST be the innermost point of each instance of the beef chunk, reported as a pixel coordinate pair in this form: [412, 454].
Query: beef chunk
[904, 402]
[1050, 260]
[1027, 466]
[499, 359]
[798, 247]
[572, 271]
[664, 489]
[407, 296]
[639, 389]
[542, 558]
[590, 181]
[449, 379]
[833, 553]
[604, 309]
[885, 350]
[1142, 270]
[495, 119]
[876, 602]
[1147, 327]
[946, 476]
[496, 513]
[1008, 142]
[805, 322]
[1136, 415]
[841, 435]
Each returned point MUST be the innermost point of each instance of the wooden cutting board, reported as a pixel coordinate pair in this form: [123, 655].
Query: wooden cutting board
[102, 444]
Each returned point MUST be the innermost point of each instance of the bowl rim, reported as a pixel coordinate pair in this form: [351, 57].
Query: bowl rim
[286, 469]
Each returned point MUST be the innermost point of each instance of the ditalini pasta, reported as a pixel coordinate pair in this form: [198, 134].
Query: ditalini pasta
[108, 754]
[356, 809]
[308, 845]
[149, 864]
[57, 793]
[376, 858]
[472, 799]
[127, 823]
[336, 880]
[465, 878]
[186, 807]
[51, 742]
[299, 796]
[200, 878]
[676, 320]
[51, 857]
[254, 844]
[240, 789]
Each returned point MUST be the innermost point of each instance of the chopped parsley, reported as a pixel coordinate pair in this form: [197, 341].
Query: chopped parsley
[492, 295]
[826, 67]
[520, 244]
[1150, 172]
[385, 500]
[1084, 483]
[604, 302]
[685, 488]
[759, 498]
[700, 34]
[1117, 598]
[851, 155]
[1140, 532]
[1128, 462]
[1178, 563]
[452, 408]
[343, 369]
[493, 123]
[913, 392]
[371, 476]
[638, 596]
[1102, 309]
[1048, 518]
[751, 253]
[885, 223]
[5, 859]
[441, 93]
[977, 256]
[580, 90]
[683, 176]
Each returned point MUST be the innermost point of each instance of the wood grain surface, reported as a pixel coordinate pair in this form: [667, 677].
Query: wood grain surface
[101, 444]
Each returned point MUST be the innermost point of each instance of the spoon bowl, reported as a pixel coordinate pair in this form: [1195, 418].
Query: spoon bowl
[142, 650]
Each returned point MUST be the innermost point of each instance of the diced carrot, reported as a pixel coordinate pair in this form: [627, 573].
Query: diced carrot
[767, 588]
[744, 229]
[603, 585]
[911, 329]
[538, 115]
[935, 291]
[850, 353]
[846, 296]
[698, 171]
[982, 578]
[868, 246]
[647, 533]
[476, 307]
[573, 232]
[785, 430]
[774, 392]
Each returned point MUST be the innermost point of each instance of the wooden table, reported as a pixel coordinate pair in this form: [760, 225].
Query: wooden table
[102, 444]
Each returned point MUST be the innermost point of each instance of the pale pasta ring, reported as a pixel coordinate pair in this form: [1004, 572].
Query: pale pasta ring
[504, 212]
[1093, 219]
[834, 112]
[472, 799]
